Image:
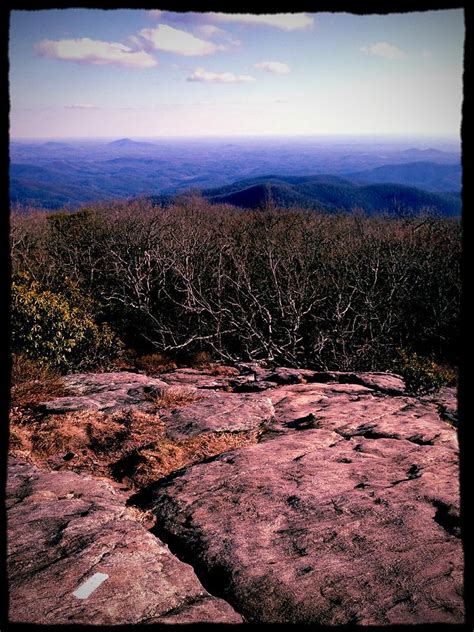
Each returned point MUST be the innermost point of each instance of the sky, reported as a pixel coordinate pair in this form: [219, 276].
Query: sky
[90, 73]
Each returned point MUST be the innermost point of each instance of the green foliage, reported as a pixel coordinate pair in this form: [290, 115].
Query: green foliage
[48, 328]
[422, 375]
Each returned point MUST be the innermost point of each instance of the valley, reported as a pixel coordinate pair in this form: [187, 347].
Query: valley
[54, 175]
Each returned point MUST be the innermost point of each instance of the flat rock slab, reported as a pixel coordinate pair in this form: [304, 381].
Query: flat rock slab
[330, 524]
[199, 378]
[219, 412]
[65, 531]
[246, 385]
[389, 383]
[111, 392]
[284, 375]
[107, 392]
[356, 410]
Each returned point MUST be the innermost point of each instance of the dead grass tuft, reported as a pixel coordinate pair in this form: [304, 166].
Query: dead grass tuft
[166, 456]
[155, 363]
[85, 441]
[124, 364]
[129, 446]
[19, 440]
[33, 384]
[99, 434]
[223, 370]
[59, 434]
[174, 396]
[199, 359]
[106, 436]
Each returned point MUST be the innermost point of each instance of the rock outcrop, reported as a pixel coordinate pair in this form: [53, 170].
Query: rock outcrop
[219, 412]
[347, 511]
[107, 392]
[64, 530]
[298, 496]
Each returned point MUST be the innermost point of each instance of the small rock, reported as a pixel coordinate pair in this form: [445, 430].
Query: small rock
[283, 375]
[252, 386]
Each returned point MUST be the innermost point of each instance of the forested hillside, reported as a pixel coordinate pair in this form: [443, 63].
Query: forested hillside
[54, 174]
[332, 193]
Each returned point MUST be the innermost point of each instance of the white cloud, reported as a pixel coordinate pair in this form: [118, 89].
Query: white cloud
[173, 40]
[209, 30]
[88, 51]
[426, 54]
[218, 77]
[284, 21]
[384, 49]
[276, 67]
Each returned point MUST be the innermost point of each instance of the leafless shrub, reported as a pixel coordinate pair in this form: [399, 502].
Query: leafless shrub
[153, 363]
[297, 287]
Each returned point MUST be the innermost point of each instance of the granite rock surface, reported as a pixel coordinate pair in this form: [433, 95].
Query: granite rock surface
[64, 529]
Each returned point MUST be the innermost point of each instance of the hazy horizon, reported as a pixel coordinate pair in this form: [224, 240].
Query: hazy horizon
[86, 73]
[329, 139]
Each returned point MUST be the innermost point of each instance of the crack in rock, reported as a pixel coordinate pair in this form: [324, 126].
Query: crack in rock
[49, 556]
[446, 519]
[289, 528]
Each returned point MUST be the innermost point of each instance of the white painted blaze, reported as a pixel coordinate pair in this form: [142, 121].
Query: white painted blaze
[88, 587]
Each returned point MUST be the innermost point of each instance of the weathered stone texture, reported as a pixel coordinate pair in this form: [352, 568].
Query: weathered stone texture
[342, 505]
[107, 392]
[347, 512]
[219, 412]
[64, 528]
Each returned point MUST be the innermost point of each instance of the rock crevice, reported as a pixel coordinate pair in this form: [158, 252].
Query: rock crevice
[50, 557]
[269, 496]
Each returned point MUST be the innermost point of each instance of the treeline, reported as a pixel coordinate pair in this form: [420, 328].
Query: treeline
[301, 288]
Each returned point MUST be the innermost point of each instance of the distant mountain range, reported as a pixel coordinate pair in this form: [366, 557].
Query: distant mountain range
[127, 143]
[332, 193]
[56, 174]
[424, 175]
